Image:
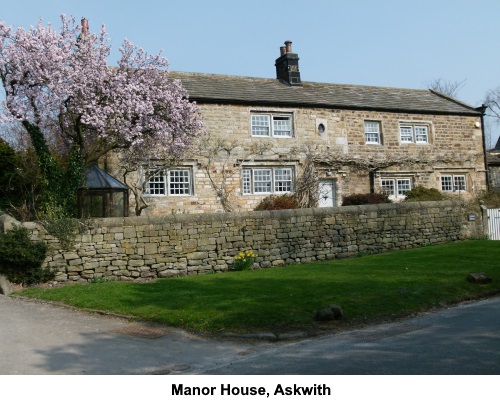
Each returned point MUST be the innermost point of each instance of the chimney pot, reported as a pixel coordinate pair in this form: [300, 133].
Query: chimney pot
[288, 46]
[282, 50]
[85, 26]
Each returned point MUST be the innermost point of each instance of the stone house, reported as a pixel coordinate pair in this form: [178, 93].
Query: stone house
[493, 159]
[273, 136]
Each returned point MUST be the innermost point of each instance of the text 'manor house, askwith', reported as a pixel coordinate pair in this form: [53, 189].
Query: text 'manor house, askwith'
[265, 134]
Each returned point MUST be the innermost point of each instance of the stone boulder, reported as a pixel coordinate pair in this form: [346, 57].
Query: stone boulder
[330, 313]
[479, 278]
[5, 287]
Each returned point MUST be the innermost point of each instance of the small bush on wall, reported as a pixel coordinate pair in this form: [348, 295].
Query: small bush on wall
[364, 199]
[21, 258]
[278, 202]
[491, 199]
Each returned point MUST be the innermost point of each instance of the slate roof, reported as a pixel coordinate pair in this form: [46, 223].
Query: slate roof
[211, 88]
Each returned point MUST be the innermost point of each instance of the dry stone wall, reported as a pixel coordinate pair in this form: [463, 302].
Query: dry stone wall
[145, 248]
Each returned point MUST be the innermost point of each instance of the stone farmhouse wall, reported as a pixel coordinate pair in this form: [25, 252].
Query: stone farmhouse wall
[494, 177]
[454, 148]
[494, 174]
[146, 248]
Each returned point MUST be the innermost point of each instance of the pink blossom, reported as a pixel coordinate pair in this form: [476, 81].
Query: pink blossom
[60, 81]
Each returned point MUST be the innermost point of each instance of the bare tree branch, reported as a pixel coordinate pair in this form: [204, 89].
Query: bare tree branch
[448, 87]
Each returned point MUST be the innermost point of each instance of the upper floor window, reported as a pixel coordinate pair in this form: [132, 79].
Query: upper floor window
[413, 133]
[272, 125]
[267, 180]
[372, 132]
[170, 182]
[395, 188]
[453, 183]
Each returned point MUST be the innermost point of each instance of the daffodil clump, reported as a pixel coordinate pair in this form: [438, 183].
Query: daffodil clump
[244, 260]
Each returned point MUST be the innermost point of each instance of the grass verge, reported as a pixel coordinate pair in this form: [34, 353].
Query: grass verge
[370, 288]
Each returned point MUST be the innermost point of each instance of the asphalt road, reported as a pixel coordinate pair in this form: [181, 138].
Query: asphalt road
[39, 338]
[461, 340]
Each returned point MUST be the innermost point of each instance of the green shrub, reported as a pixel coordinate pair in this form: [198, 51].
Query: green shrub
[278, 202]
[21, 258]
[64, 229]
[490, 199]
[8, 163]
[420, 193]
[364, 199]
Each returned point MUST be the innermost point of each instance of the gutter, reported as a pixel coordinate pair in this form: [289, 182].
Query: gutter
[482, 110]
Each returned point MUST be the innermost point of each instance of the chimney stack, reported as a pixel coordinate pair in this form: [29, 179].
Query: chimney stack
[85, 26]
[287, 66]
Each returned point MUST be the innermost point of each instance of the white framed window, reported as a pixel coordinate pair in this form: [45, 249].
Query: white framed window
[372, 132]
[171, 182]
[421, 133]
[272, 125]
[414, 133]
[453, 183]
[395, 188]
[403, 185]
[156, 184]
[262, 180]
[283, 180]
[271, 180]
[405, 134]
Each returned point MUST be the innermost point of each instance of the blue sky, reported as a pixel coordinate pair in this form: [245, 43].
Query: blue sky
[380, 43]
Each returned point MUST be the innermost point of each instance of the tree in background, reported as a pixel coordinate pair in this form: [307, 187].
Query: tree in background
[8, 165]
[20, 182]
[493, 102]
[58, 85]
[448, 87]
[493, 113]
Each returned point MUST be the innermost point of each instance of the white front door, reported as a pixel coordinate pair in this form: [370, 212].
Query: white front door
[326, 190]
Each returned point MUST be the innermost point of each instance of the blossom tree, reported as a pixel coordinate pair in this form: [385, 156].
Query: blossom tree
[58, 83]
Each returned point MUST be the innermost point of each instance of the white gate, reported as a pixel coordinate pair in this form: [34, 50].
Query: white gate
[494, 223]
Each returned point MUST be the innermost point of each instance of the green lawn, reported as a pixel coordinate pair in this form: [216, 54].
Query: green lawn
[370, 288]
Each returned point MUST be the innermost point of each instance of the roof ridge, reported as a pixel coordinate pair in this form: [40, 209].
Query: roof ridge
[218, 75]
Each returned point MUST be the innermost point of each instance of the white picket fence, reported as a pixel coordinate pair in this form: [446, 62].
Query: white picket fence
[494, 223]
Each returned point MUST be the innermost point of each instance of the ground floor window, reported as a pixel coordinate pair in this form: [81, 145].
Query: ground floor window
[260, 180]
[395, 188]
[170, 182]
[453, 183]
